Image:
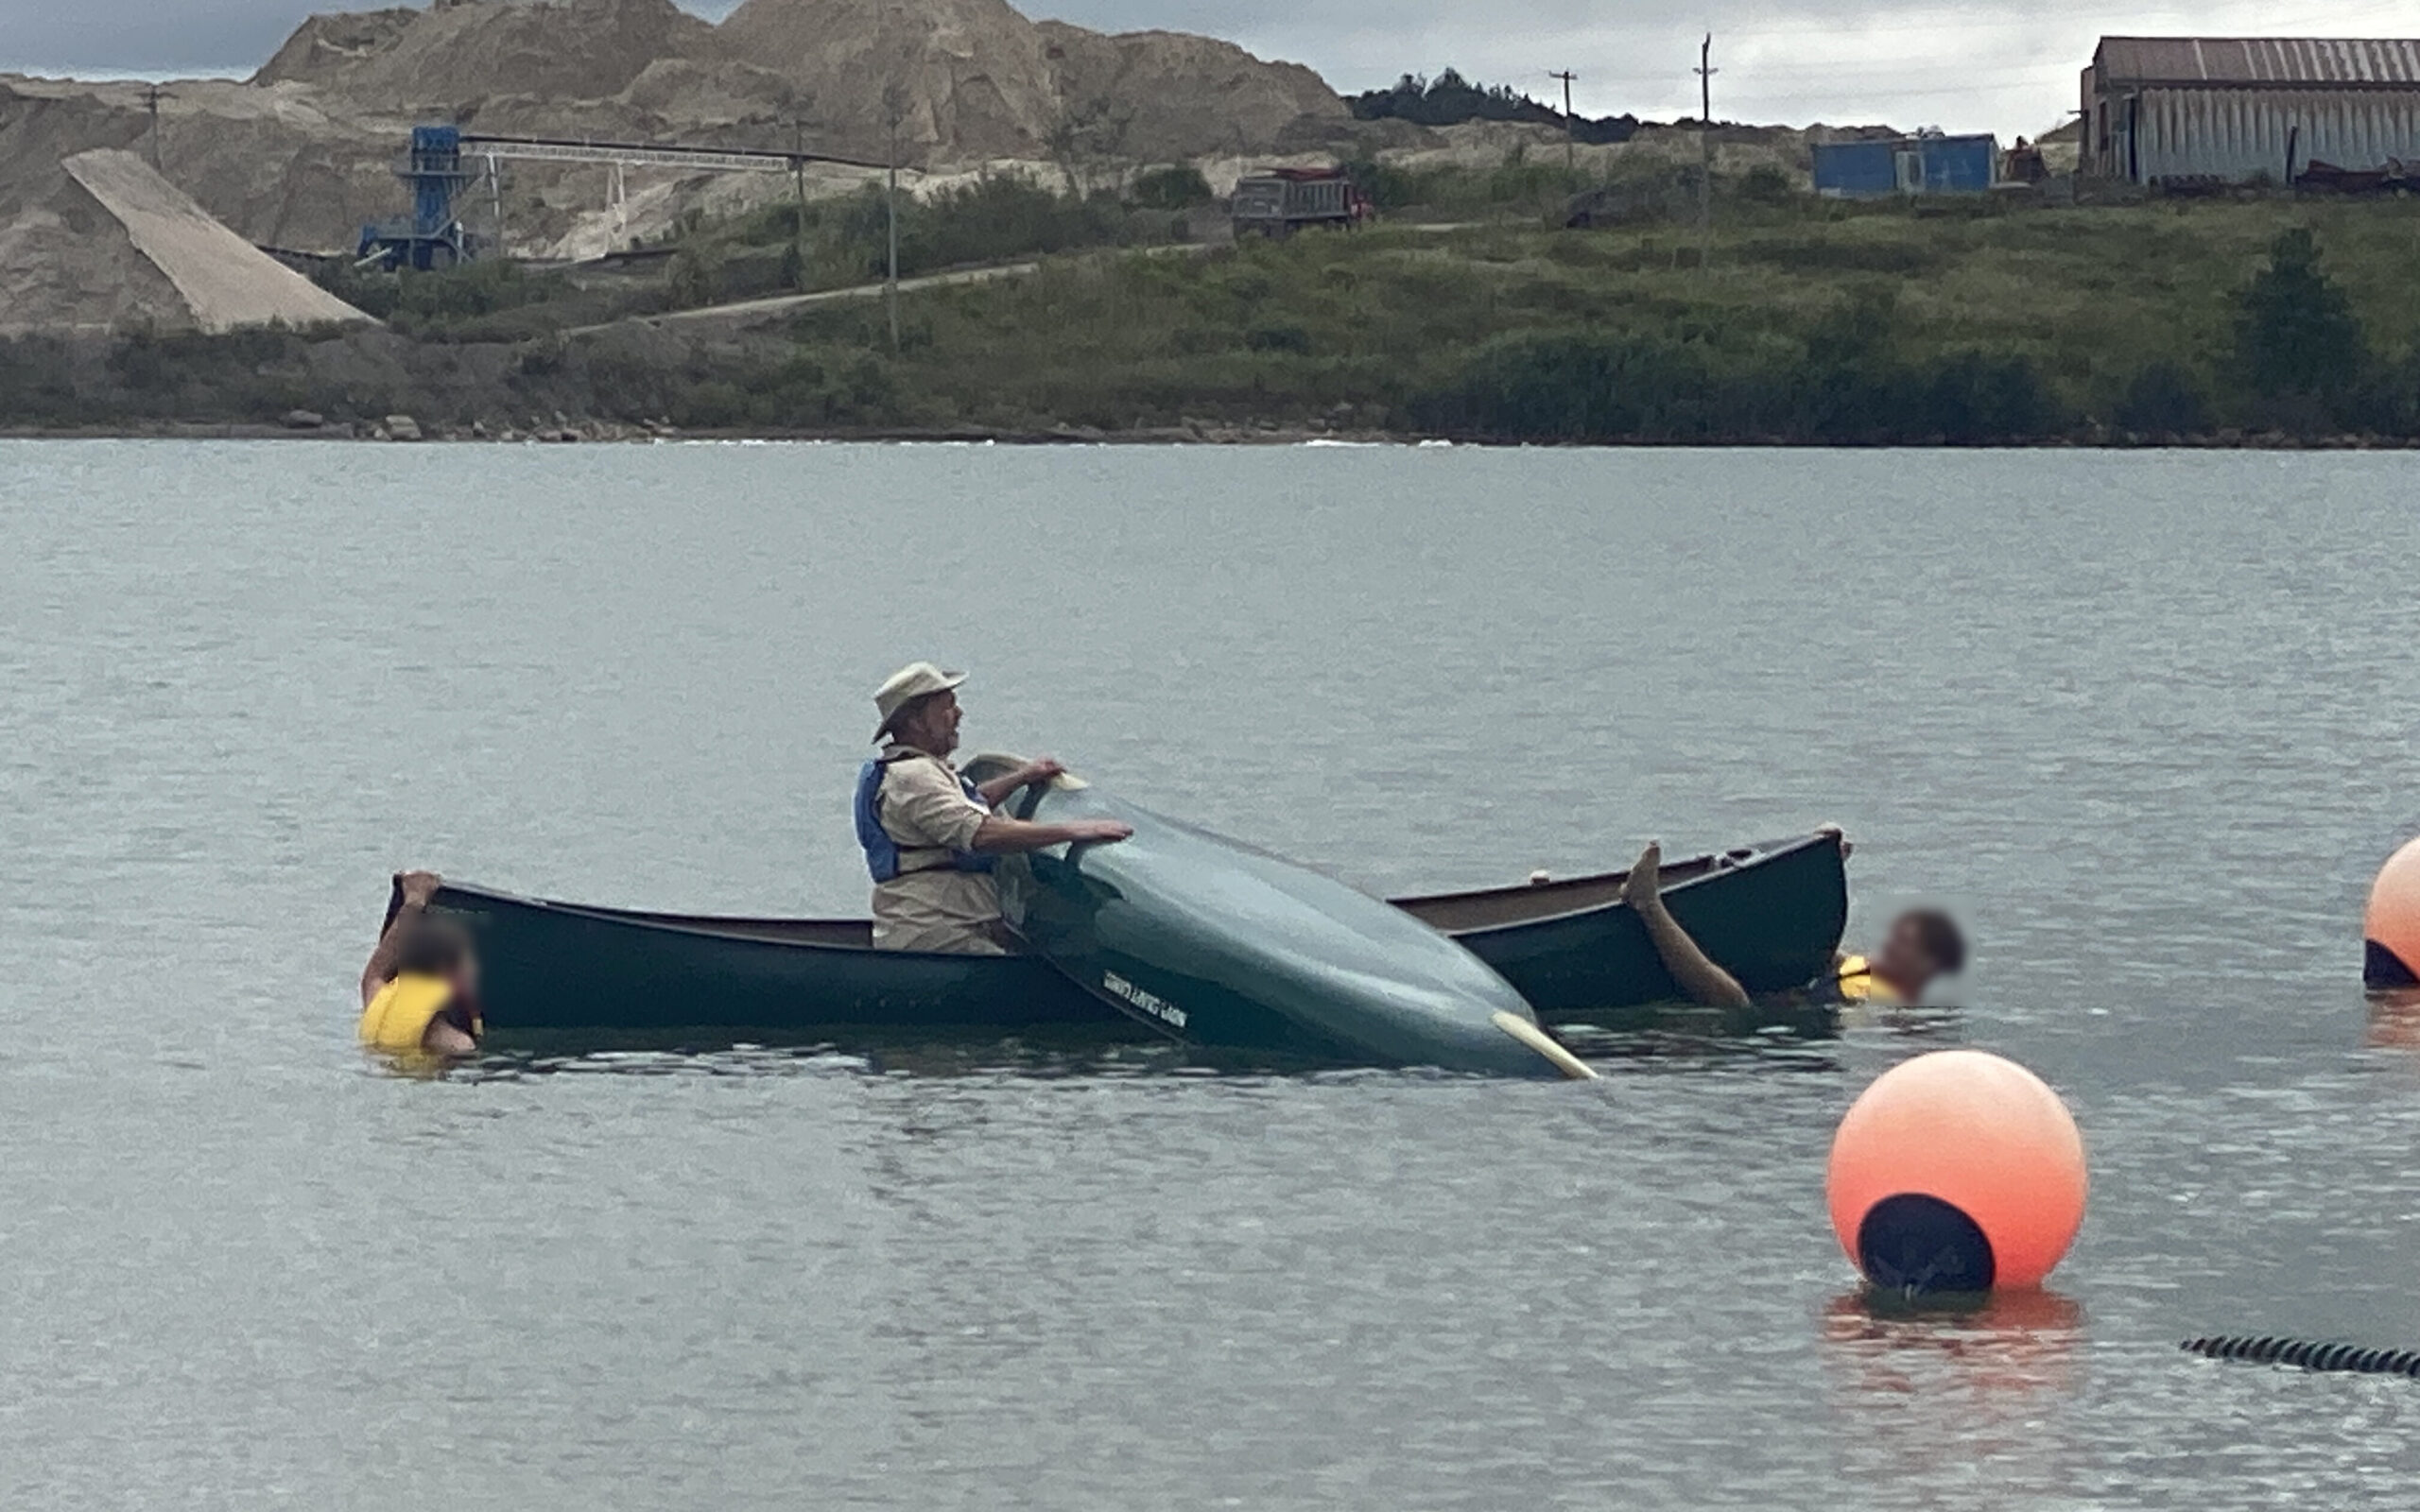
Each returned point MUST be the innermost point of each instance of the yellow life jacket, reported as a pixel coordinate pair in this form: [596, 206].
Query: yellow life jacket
[1857, 983]
[398, 1017]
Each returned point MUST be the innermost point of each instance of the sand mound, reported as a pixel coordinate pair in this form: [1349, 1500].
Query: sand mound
[450, 58]
[224, 281]
[1170, 96]
[101, 242]
[64, 268]
[969, 77]
[271, 161]
[323, 47]
[971, 81]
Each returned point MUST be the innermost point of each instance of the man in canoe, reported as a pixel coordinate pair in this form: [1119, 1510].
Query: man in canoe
[930, 834]
[1922, 944]
[420, 991]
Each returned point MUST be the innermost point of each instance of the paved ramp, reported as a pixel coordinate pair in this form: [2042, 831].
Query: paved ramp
[226, 281]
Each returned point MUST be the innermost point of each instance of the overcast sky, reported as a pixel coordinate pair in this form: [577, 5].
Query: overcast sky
[1990, 66]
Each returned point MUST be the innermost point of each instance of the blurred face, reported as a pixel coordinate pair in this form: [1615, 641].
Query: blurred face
[465, 976]
[932, 727]
[1903, 961]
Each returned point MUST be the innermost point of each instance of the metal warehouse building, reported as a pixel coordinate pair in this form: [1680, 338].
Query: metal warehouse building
[2237, 108]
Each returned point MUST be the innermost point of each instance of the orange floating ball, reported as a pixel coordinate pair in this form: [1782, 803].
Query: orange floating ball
[2391, 925]
[1957, 1171]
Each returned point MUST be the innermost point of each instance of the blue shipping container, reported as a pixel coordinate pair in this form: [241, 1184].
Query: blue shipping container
[1909, 165]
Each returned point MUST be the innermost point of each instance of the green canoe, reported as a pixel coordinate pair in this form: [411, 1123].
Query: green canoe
[1771, 913]
[1229, 948]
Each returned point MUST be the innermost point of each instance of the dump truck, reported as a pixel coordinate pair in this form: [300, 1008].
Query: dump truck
[1280, 201]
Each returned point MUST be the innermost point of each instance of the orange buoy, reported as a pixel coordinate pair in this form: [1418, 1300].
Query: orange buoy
[1957, 1171]
[2391, 925]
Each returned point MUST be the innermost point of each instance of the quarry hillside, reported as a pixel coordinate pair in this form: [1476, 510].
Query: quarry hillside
[301, 154]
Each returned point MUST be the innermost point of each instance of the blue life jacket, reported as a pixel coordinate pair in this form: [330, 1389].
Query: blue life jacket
[882, 852]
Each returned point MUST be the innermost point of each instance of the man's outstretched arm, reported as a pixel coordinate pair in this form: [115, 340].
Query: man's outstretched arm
[1001, 836]
[1705, 981]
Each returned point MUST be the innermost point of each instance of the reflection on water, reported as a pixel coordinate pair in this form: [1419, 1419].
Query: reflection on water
[1923, 1393]
[2394, 1020]
[708, 1052]
[2007, 1341]
[1673, 1035]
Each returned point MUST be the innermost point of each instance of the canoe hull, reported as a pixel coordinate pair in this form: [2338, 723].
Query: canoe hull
[1232, 949]
[1772, 914]
[551, 966]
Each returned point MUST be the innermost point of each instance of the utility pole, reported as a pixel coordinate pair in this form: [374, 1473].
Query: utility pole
[890, 202]
[1571, 122]
[1705, 71]
[151, 97]
[495, 201]
[798, 184]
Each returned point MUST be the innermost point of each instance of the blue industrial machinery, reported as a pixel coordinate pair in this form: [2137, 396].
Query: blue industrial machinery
[432, 237]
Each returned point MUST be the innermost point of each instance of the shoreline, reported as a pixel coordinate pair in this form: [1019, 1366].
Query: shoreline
[612, 432]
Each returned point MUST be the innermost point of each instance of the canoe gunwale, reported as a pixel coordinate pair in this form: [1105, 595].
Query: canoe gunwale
[1601, 890]
[853, 934]
[849, 936]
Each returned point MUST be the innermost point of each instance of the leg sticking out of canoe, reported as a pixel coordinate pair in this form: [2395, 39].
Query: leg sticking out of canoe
[1922, 945]
[1703, 981]
[932, 834]
[420, 991]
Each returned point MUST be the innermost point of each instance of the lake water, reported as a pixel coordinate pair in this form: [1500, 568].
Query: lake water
[2146, 721]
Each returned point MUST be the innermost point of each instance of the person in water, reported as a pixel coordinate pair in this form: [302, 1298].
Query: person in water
[420, 992]
[1922, 945]
[930, 834]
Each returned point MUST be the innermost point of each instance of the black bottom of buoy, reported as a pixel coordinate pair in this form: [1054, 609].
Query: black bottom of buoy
[2382, 970]
[1919, 1245]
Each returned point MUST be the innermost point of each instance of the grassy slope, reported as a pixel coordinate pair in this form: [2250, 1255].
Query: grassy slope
[1292, 332]
[1359, 331]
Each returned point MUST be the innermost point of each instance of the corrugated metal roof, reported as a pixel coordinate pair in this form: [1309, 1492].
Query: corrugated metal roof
[2272, 60]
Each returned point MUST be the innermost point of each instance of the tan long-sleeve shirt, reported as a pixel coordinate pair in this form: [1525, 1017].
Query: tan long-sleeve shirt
[932, 906]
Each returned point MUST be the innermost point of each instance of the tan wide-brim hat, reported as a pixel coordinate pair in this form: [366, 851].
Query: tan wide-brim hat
[915, 680]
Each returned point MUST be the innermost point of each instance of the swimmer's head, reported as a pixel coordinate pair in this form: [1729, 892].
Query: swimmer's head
[1922, 943]
[439, 947]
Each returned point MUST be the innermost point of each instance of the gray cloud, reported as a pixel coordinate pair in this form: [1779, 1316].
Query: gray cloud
[1993, 64]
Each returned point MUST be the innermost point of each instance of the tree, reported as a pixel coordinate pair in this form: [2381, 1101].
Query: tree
[2296, 335]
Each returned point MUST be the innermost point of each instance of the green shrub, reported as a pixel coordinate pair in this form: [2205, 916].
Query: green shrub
[1977, 398]
[1175, 188]
[1284, 338]
[1765, 184]
[2163, 399]
[1819, 253]
[1574, 387]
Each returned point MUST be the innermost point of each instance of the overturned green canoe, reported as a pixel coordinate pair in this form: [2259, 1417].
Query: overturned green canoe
[1772, 914]
[1221, 945]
